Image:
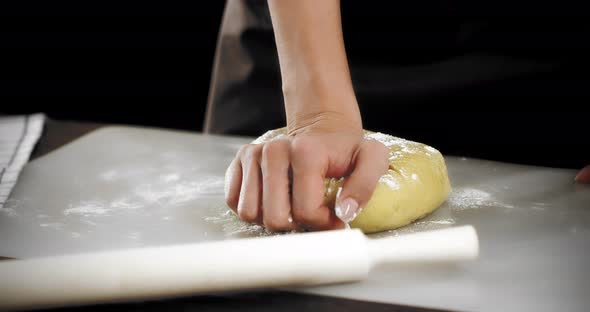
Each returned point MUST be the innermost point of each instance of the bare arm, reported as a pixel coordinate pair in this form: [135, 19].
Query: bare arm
[314, 67]
[325, 131]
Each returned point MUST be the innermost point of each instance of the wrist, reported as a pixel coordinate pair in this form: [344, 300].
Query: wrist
[325, 122]
[329, 109]
[319, 93]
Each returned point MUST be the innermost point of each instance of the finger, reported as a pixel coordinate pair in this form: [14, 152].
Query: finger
[276, 206]
[584, 175]
[233, 182]
[249, 202]
[309, 169]
[370, 164]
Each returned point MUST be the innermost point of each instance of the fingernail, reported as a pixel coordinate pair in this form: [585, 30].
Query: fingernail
[583, 176]
[346, 210]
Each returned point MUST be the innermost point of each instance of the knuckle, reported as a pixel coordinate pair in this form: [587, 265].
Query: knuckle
[250, 153]
[309, 219]
[274, 224]
[307, 154]
[242, 150]
[272, 148]
[301, 148]
[274, 160]
[377, 147]
[248, 215]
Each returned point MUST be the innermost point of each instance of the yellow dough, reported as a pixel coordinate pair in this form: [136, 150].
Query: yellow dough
[415, 185]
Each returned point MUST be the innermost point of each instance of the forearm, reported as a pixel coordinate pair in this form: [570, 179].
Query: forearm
[314, 68]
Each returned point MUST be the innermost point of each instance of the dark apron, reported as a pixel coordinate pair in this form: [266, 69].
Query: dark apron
[500, 88]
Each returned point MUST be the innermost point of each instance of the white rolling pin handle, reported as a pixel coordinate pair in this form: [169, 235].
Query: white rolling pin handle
[445, 245]
[148, 273]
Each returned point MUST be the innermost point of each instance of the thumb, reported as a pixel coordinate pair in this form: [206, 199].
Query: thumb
[370, 164]
[584, 175]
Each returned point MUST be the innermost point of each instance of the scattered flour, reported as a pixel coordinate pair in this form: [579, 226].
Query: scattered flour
[97, 208]
[88, 209]
[389, 140]
[431, 149]
[470, 198]
[54, 225]
[389, 181]
[166, 193]
[444, 221]
[267, 136]
[124, 203]
[10, 212]
[428, 224]
[459, 200]
[110, 175]
[172, 177]
[233, 226]
[134, 235]
[181, 192]
[90, 222]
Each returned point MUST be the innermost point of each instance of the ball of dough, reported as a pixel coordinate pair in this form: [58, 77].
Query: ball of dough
[415, 184]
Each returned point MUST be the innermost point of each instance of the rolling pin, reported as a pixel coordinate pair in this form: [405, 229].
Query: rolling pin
[275, 261]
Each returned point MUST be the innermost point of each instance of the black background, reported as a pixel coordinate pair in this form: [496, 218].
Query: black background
[150, 63]
[146, 63]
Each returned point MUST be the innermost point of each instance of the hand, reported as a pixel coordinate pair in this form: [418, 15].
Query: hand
[584, 175]
[259, 176]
